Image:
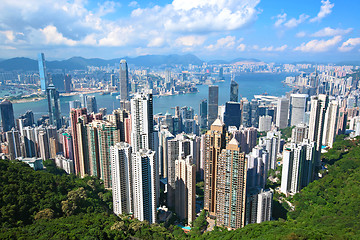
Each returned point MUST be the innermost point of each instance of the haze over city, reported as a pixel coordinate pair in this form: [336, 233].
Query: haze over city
[280, 31]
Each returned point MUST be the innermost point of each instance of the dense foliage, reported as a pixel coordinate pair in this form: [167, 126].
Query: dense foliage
[43, 205]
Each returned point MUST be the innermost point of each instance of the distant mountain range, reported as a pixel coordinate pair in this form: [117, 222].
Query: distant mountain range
[27, 64]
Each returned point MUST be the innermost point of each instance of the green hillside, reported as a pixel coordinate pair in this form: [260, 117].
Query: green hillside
[51, 205]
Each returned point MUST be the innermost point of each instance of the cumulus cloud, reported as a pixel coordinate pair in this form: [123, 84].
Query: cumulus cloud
[319, 45]
[190, 41]
[223, 43]
[325, 9]
[293, 22]
[53, 37]
[329, 32]
[349, 45]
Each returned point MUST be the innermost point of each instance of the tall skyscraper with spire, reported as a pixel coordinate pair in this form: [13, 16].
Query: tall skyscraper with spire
[124, 81]
[54, 106]
[42, 72]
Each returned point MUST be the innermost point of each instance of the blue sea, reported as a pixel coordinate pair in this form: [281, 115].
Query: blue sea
[250, 84]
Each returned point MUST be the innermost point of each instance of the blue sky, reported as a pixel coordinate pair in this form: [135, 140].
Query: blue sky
[270, 30]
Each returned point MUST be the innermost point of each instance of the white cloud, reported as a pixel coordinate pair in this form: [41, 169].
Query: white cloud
[208, 15]
[301, 34]
[222, 43]
[156, 42]
[133, 4]
[293, 22]
[350, 44]
[190, 41]
[329, 32]
[52, 36]
[325, 9]
[273, 49]
[107, 7]
[119, 36]
[281, 18]
[241, 47]
[318, 45]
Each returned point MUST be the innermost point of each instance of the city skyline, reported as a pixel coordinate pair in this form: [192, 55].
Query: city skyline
[277, 31]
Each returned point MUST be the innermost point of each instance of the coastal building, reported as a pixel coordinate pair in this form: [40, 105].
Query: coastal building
[42, 72]
[91, 104]
[234, 91]
[53, 99]
[282, 113]
[124, 81]
[213, 103]
[232, 115]
[7, 115]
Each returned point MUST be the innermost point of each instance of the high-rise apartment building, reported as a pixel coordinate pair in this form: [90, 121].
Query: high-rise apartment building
[124, 81]
[145, 185]
[142, 122]
[215, 141]
[185, 181]
[298, 166]
[43, 142]
[121, 177]
[7, 115]
[54, 106]
[231, 187]
[42, 72]
[213, 103]
[319, 104]
[13, 142]
[330, 124]
[234, 91]
[297, 108]
[74, 117]
[282, 114]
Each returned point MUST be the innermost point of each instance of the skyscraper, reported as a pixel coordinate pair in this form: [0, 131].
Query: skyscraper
[54, 106]
[142, 122]
[213, 104]
[42, 72]
[91, 104]
[215, 141]
[121, 176]
[234, 91]
[7, 115]
[330, 125]
[124, 81]
[203, 113]
[282, 113]
[297, 108]
[67, 83]
[13, 141]
[231, 187]
[298, 166]
[185, 180]
[145, 185]
[232, 115]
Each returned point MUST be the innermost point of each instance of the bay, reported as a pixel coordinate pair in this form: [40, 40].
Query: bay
[250, 84]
